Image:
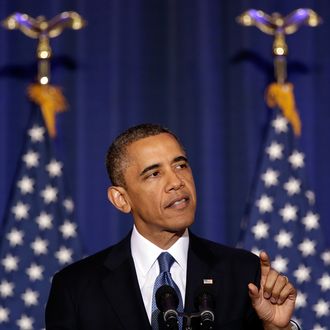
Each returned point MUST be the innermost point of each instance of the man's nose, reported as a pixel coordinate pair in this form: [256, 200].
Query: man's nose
[174, 181]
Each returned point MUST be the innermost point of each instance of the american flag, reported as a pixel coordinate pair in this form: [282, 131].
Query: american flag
[282, 221]
[39, 236]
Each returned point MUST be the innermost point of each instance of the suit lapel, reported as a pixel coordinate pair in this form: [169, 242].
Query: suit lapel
[200, 270]
[122, 288]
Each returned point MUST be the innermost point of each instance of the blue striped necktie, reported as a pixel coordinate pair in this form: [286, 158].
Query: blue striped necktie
[165, 261]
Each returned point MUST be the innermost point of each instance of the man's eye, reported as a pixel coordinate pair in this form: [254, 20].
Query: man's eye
[183, 165]
[153, 174]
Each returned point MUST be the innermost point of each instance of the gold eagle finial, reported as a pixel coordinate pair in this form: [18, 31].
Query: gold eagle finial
[278, 26]
[41, 29]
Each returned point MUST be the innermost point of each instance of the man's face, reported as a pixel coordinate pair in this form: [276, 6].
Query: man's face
[159, 186]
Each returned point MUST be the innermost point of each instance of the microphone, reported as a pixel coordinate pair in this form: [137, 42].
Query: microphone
[205, 304]
[167, 302]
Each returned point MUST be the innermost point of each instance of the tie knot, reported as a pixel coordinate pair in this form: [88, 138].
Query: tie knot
[165, 261]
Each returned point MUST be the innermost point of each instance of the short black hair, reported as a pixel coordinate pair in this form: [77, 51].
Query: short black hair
[116, 158]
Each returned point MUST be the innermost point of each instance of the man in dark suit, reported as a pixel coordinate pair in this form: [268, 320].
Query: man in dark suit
[115, 288]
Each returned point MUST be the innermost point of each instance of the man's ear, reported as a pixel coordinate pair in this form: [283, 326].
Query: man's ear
[118, 197]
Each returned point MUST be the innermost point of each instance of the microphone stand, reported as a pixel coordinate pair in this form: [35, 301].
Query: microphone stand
[189, 318]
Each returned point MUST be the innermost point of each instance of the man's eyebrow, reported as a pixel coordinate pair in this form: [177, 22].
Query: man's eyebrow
[180, 158]
[149, 168]
[155, 166]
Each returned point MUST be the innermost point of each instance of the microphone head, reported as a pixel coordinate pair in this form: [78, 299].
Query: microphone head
[205, 299]
[166, 298]
[205, 302]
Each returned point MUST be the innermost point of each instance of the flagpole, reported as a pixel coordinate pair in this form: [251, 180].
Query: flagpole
[50, 98]
[280, 94]
[279, 26]
[41, 29]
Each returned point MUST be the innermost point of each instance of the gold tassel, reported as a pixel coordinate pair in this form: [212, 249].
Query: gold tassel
[282, 96]
[51, 101]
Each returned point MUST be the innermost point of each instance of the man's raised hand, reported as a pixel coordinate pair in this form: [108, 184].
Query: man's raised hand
[274, 302]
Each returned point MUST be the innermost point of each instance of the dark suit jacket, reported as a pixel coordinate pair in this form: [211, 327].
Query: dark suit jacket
[101, 292]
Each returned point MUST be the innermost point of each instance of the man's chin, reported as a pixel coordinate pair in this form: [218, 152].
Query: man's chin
[179, 228]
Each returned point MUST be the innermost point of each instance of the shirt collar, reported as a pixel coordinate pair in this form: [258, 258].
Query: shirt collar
[145, 253]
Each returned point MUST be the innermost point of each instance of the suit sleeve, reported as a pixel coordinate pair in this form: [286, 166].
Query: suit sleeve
[60, 309]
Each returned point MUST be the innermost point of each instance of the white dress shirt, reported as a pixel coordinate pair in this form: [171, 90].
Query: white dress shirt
[145, 256]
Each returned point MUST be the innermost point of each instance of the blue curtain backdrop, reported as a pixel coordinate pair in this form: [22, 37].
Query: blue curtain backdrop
[185, 64]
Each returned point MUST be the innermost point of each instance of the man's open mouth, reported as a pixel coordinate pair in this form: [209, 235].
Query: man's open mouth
[178, 202]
